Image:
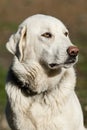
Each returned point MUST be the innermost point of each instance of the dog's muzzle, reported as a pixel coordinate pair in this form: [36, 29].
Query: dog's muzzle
[72, 52]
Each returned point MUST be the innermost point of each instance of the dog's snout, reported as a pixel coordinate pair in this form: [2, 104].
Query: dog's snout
[73, 51]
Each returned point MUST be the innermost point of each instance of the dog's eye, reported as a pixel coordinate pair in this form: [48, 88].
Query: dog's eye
[47, 35]
[66, 34]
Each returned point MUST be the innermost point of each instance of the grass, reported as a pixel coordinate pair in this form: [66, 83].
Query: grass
[2, 88]
[81, 88]
[8, 25]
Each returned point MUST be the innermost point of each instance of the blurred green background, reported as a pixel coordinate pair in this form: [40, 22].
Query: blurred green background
[72, 12]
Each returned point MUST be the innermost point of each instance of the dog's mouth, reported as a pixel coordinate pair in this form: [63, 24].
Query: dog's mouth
[68, 63]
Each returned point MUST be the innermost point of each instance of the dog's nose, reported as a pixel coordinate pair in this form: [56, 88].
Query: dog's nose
[73, 51]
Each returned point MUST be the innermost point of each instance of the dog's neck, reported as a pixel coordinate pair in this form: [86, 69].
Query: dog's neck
[32, 78]
[23, 86]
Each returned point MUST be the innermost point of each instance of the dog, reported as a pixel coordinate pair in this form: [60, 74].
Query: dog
[40, 84]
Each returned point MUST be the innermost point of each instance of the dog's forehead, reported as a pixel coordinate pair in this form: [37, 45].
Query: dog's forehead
[43, 22]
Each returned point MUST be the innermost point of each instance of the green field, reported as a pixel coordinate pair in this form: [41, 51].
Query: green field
[2, 88]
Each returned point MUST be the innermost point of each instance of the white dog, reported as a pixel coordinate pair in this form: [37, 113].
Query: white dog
[41, 80]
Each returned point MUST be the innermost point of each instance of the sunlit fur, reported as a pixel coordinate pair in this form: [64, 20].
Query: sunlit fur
[55, 106]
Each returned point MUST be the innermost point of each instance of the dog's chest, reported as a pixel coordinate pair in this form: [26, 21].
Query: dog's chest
[44, 114]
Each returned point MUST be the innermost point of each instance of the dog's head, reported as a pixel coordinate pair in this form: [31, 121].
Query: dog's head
[43, 39]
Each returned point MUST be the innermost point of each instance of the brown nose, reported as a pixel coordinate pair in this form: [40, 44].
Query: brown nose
[73, 51]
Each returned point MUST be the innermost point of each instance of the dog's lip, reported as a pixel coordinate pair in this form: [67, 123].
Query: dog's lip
[54, 65]
[67, 62]
[70, 61]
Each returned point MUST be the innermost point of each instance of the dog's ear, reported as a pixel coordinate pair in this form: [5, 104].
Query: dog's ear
[16, 43]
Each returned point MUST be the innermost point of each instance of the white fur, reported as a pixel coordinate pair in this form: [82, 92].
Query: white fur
[58, 108]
